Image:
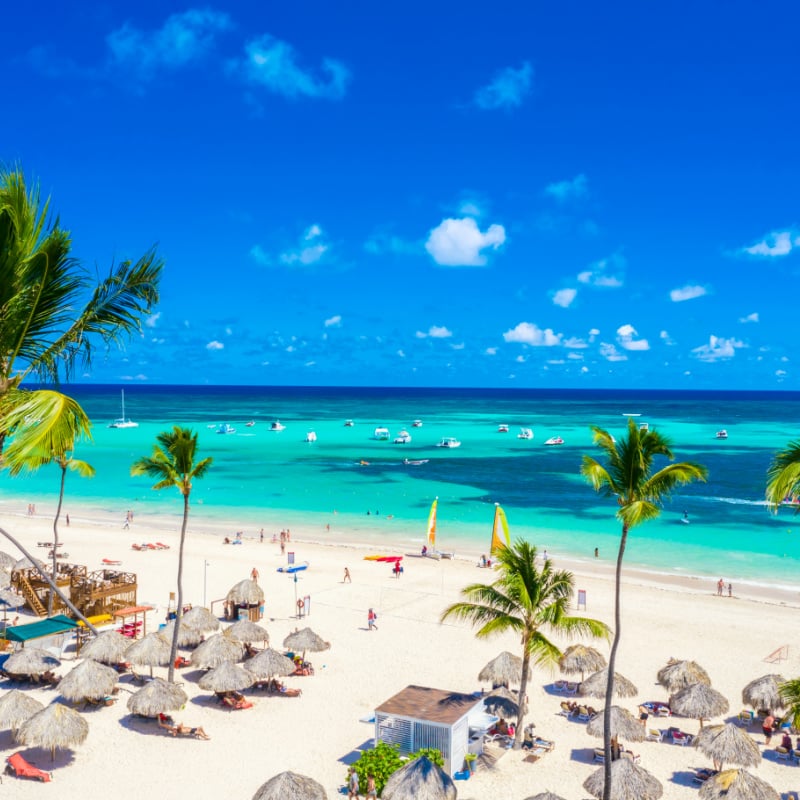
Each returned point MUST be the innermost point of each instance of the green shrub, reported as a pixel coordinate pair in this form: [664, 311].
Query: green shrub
[384, 760]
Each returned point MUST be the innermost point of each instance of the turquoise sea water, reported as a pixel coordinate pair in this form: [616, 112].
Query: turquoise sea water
[276, 479]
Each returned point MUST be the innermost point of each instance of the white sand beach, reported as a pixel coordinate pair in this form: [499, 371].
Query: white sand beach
[318, 733]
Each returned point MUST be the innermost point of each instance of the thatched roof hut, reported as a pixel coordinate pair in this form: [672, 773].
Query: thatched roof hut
[505, 670]
[107, 647]
[305, 640]
[698, 701]
[764, 692]
[216, 650]
[16, 707]
[89, 680]
[736, 784]
[54, 727]
[246, 631]
[729, 744]
[290, 786]
[30, 661]
[151, 651]
[156, 697]
[420, 779]
[269, 663]
[580, 658]
[502, 701]
[187, 637]
[245, 592]
[227, 677]
[595, 685]
[201, 619]
[629, 781]
[677, 675]
[623, 725]
[7, 562]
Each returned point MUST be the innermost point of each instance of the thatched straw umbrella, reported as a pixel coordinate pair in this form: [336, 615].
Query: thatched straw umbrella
[764, 692]
[623, 724]
[698, 701]
[420, 779]
[89, 680]
[246, 631]
[156, 697]
[30, 661]
[26, 563]
[728, 744]
[545, 796]
[505, 670]
[216, 650]
[5, 581]
[7, 562]
[737, 784]
[151, 651]
[246, 592]
[677, 675]
[290, 786]
[581, 658]
[305, 640]
[595, 685]
[107, 647]
[502, 701]
[269, 663]
[8, 597]
[227, 677]
[16, 707]
[201, 619]
[629, 781]
[187, 637]
[55, 726]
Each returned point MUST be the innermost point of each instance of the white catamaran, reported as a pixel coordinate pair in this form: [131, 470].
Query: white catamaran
[123, 421]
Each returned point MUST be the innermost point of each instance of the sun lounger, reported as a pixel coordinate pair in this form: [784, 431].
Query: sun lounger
[572, 688]
[543, 744]
[111, 562]
[681, 738]
[237, 705]
[702, 775]
[599, 755]
[140, 547]
[583, 714]
[566, 709]
[654, 735]
[560, 686]
[745, 717]
[782, 754]
[17, 765]
[162, 546]
[635, 757]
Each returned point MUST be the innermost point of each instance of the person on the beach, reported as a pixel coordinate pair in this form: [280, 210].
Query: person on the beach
[720, 586]
[352, 783]
[643, 715]
[347, 578]
[371, 791]
[261, 536]
[254, 575]
[767, 727]
[371, 617]
[597, 552]
[67, 518]
[397, 569]
[180, 729]
[786, 741]
[730, 590]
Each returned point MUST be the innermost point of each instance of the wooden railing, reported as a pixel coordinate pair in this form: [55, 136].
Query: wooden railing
[29, 593]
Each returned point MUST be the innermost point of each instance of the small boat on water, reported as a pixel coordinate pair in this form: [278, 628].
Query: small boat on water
[122, 421]
[553, 440]
[502, 428]
[381, 434]
[525, 433]
[449, 441]
[250, 424]
[404, 437]
[276, 426]
[311, 436]
[415, 462]
[417, 423]
[348, 423]
[723, 434]
[225, 428]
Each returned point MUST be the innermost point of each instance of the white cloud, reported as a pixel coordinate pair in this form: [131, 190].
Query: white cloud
[459, 346]
[625, 336]
[310, 363]
[215, 345]
[469, 209]
[531, 334]
[665, 337]
[593, 334]
[272, 64]
[520, 359]
[401, 353]
[777, 243]
[459, 242]
[334, 321]
[491, 351]
[507, 89]
[749, 318]
[575, 343]
[575, 356]
[610, 353]
[605, 273]
[567, 190]
[152, 320]
[435, 332]
[564, 297]
[718, 348]
[182, 39]
[780, 373]
[687, 293]
[311, 248]
[584, 370]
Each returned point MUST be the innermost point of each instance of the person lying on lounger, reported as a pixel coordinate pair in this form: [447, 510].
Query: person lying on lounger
[168, 724]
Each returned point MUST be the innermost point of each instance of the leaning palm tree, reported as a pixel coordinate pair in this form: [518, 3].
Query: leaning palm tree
[524, 599]
[46, 425]
[790, 699]
[629, 476]
[173, 465]
[783, 477]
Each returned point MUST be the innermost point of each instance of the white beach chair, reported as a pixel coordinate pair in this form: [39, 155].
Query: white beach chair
[782, 754]
[681, 738]
[654, 735]
[745, 717]
[583, 714]
[599, 755]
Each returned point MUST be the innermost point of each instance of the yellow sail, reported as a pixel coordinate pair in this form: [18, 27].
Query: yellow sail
[500, 537]
[432, 525]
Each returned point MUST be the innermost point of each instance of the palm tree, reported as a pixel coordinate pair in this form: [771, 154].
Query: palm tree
[173, 465]
[629, 477]
[524, 599]
[52, 311]
[790, 694]
[46, 426]
[783, 476]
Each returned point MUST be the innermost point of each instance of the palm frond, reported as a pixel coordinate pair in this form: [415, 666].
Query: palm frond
[783, 476]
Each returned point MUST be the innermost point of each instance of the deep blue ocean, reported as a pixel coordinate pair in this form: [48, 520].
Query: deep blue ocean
[262, 478]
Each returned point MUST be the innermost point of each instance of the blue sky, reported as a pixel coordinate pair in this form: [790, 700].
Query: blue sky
[507, 194]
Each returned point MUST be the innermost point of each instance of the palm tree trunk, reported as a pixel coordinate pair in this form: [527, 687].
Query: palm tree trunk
[64, 599]
[612, 658]
[55, 534]
[173, 652]
[523, 687]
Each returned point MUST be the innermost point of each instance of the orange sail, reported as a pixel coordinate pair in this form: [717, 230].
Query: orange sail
[500, 537]
[432, 525]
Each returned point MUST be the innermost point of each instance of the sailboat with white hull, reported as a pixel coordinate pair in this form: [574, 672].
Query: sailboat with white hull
[123, 421]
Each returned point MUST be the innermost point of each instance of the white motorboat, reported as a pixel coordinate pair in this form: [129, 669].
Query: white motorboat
[276, 426]
[381, 434]
[553, 440]
[525, 433]
[449, 441]
[644, 427]
[123, 421]
[723, 434]
[250, 424]
[311, 436]
[348, 423]
[417, 423]
[404, 437]
[502, 428]
[415, 462]
[225, 428]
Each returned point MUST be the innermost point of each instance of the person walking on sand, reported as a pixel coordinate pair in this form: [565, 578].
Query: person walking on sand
[720, 586]
[730, 590]
[254, 575]
[371, 617]
[371, 791]
[347, 578]
[352, 783]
